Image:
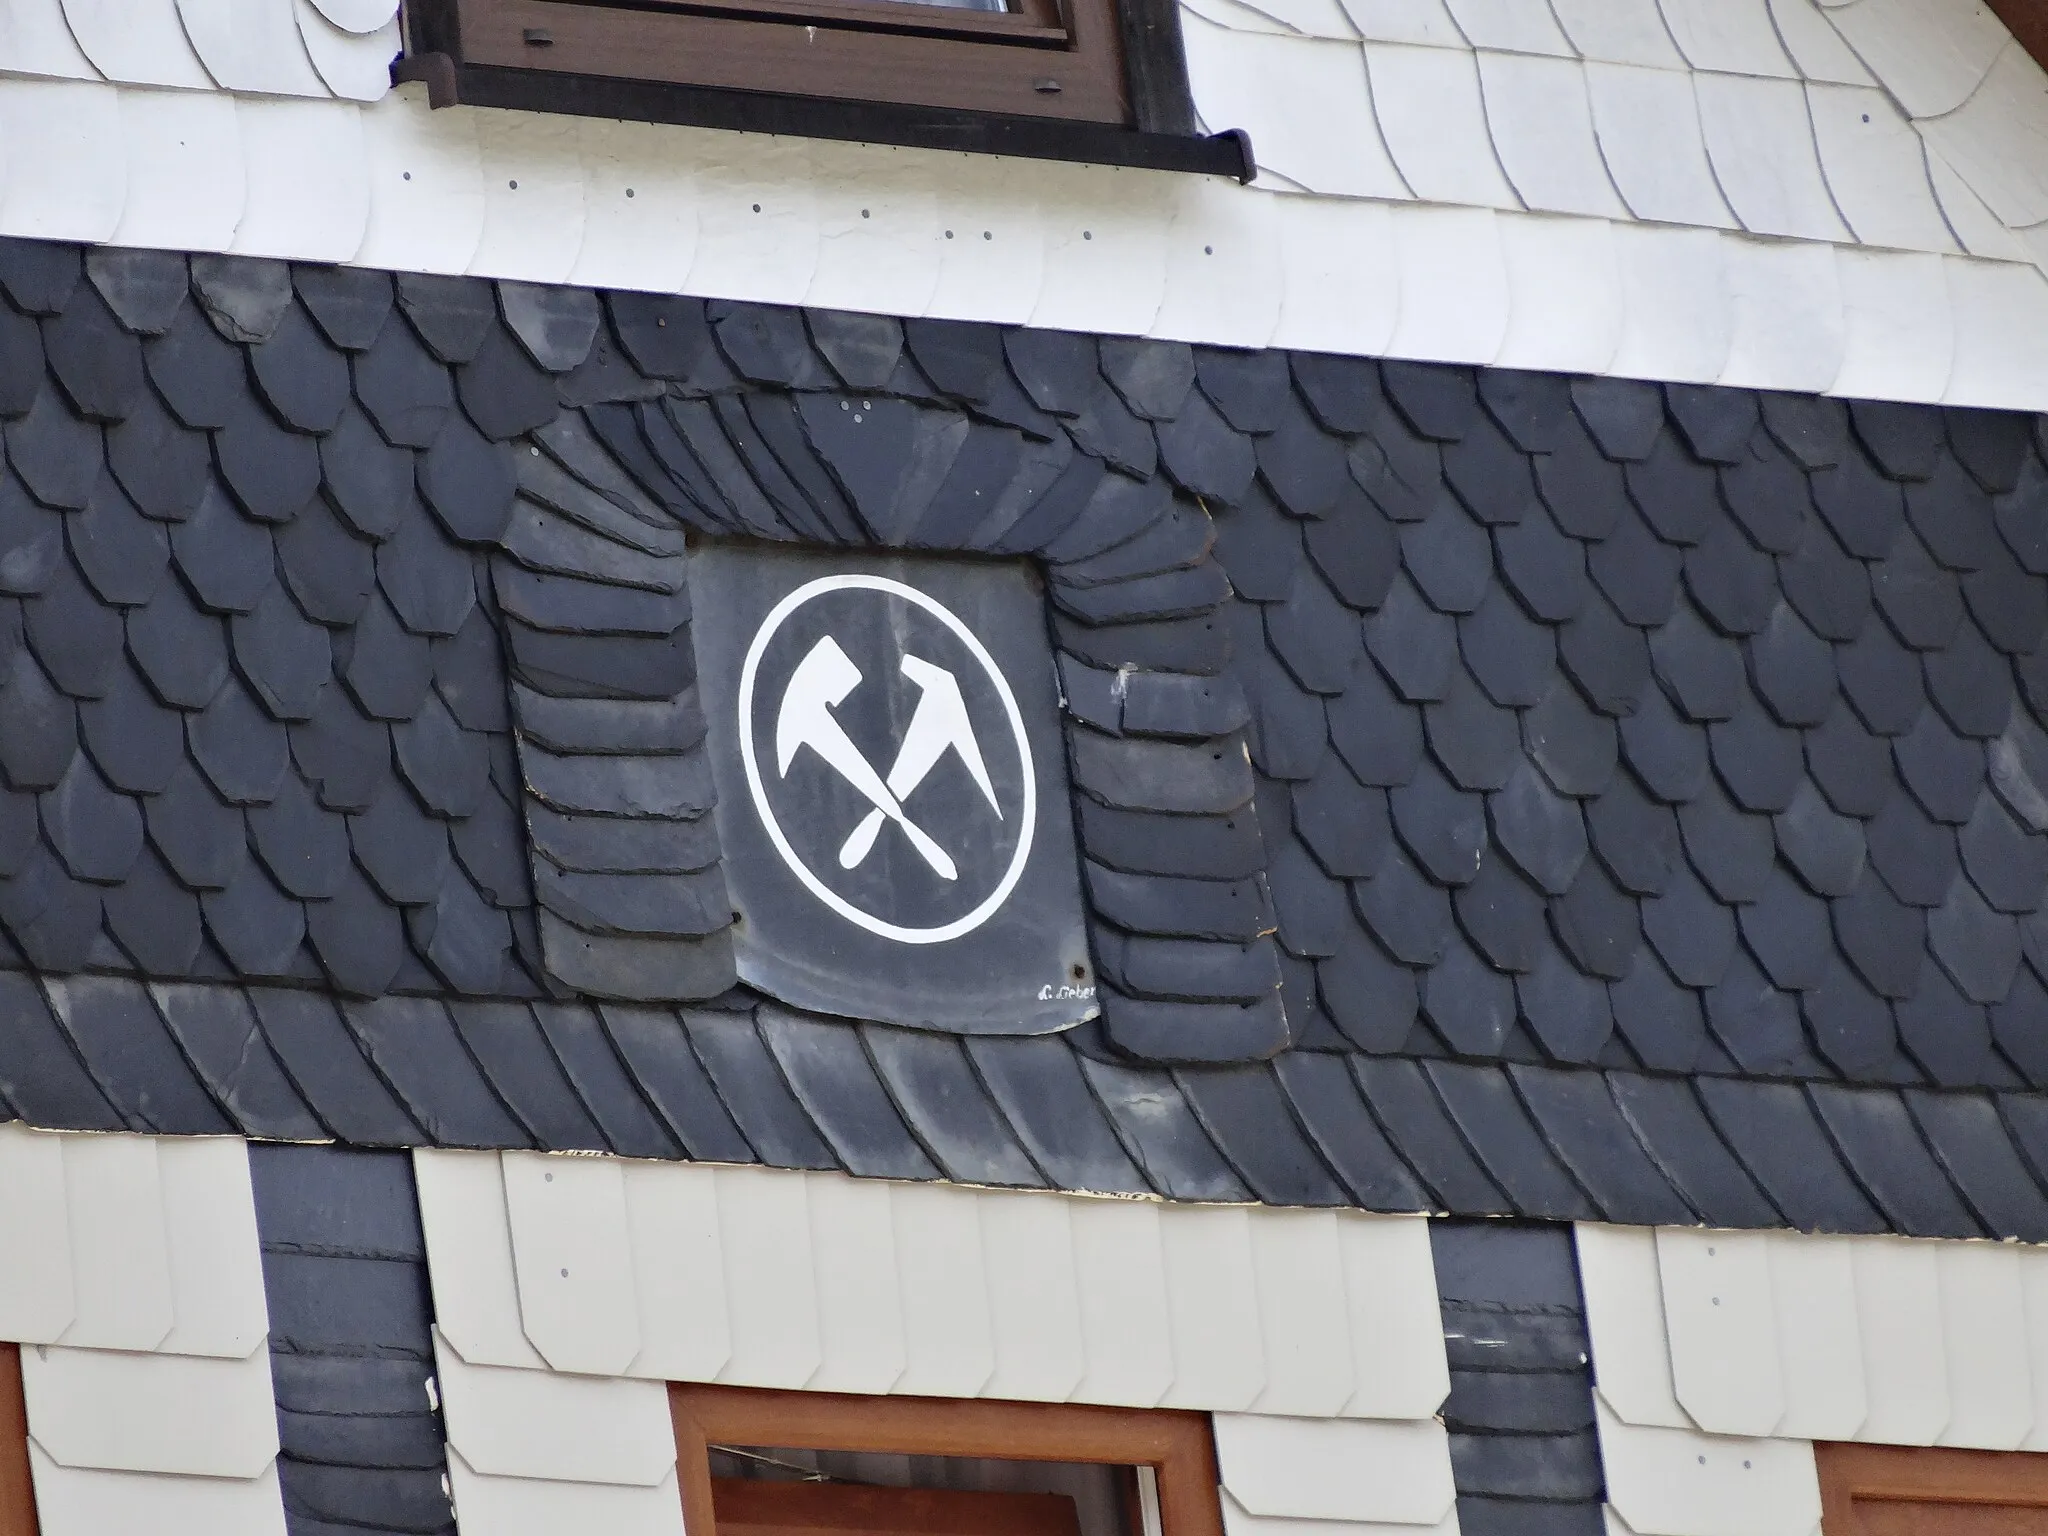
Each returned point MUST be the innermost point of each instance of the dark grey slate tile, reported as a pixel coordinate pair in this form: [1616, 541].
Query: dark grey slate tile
[942, 1101]
[514, 1055]
[125, 1045]
[1773, 1129]
[1977, 1153]
[1037, 1085]
[1160, 1132]
[1879, 1142]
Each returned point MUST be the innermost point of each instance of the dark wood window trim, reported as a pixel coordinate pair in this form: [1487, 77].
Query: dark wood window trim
[17, 1488]
[1861, 1484]
[2026, 20]
[1090, 80]
[1177, 1446]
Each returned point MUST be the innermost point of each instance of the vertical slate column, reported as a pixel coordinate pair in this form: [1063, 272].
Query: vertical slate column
[345, 1268]
[1523, 1449]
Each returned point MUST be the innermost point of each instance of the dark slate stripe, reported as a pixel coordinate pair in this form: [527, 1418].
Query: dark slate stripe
[344, 1269]
[751, 1086]
[656, 1049]
[328, 1068]
[218, 1032]
[593, 1067]
[132, 1056]
[514, 1056]
[1526, 1517]
[1161, 1133]
[1524, 1454]
[40, 1071]
[417, 1051]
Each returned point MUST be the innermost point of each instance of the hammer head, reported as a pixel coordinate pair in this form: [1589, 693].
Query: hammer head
[823, 678]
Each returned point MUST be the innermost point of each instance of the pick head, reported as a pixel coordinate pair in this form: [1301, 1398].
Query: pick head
[824, 677]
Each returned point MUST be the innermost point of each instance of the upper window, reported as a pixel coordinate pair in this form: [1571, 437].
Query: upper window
[1066, 79]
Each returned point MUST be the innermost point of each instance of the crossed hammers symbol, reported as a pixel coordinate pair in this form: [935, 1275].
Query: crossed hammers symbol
[823, 679]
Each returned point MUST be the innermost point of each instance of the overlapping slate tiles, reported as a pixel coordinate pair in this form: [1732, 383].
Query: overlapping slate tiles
[253, 716]
[1641, 817]
[1021, 444]
[1520, 1413]
[1680, 729]
[351, 1346]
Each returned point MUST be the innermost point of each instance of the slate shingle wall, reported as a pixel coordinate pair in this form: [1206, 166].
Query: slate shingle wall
[1643, 800]
[253, 716]
[351, 1348]
[1524, 1452]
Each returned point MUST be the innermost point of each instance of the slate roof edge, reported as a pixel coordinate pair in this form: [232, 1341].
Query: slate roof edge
[1712, 1151]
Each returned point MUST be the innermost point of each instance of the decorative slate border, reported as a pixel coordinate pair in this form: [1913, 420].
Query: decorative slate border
[873, 452]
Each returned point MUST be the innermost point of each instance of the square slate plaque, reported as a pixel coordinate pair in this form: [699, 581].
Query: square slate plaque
[892, 787]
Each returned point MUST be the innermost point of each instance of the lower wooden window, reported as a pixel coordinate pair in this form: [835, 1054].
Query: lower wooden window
[759, 1463]
[17, 1492]
[1888, 1490]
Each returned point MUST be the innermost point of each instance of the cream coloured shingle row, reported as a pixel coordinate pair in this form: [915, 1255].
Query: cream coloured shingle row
[1085, 248]
[1719, 1357]
[317, 48]
[132, 1279]
[777, 1279]
[567, 1290]
[1763, 119]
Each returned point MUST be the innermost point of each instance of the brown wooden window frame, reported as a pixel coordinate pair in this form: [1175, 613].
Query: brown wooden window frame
[1176, 1445]
[1921, 1475]
[1091, 80]
[17, 1485]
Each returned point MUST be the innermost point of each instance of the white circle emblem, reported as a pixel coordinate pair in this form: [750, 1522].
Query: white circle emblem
[1027, 821]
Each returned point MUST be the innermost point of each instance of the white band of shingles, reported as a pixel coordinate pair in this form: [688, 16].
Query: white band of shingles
[1848, 200]
[1719, 1357]
[567, 1290]
[131, 1277]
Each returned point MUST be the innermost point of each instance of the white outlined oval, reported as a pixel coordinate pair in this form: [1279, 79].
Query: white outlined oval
[1027, 822]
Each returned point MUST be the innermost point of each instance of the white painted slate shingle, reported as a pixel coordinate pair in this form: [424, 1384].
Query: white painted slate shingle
[133, 1281]
[1719, 1357]
[765, 1278]
[567, 1290]
[1576, 185]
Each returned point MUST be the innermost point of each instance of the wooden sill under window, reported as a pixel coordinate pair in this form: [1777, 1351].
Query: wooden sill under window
[1889, 1490]
[1176, 1446]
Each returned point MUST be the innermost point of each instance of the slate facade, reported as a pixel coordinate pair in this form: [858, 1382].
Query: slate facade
[1507, 793]
[1499, 793]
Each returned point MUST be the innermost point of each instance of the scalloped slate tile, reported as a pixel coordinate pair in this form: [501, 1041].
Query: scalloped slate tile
[350, 304]
[450, 314]
[244, 296]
